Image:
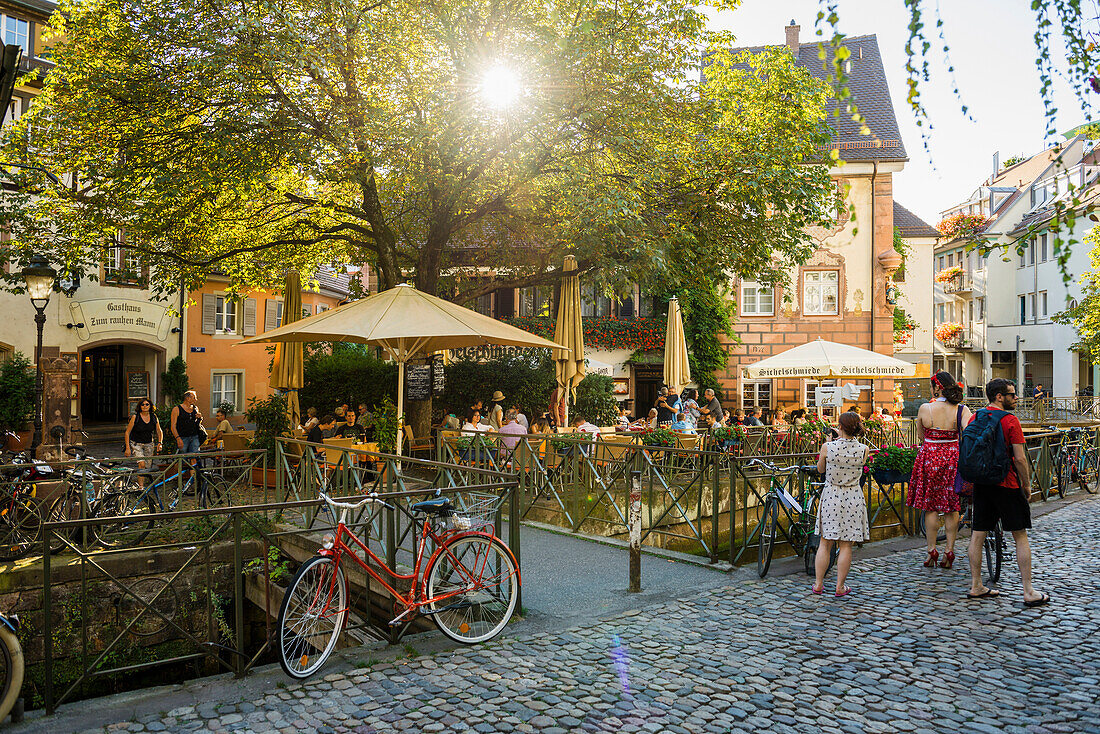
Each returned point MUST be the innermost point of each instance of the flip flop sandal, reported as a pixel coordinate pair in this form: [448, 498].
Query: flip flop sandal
[815, 590]
[1044, 599]
[846, 592]
[985, 594]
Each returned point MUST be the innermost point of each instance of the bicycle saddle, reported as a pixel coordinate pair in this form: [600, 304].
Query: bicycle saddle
[440, 506]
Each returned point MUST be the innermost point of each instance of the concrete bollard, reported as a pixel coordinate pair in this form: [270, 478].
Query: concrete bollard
[634, 519]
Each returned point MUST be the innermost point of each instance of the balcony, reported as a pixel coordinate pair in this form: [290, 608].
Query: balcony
[971, 338]
[960, 284]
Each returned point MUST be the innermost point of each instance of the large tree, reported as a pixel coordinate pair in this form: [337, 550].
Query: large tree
[425, 138]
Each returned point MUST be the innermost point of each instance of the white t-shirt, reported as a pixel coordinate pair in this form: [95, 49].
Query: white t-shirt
[480, 427]
[587, 427]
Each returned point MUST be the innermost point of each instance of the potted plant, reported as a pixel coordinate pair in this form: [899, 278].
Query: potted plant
[269, 415]
[16, 398]
[948, 275]
[729, 437]
[892, 464]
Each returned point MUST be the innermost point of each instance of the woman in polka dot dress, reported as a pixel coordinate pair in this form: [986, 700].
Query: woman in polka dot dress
[842, 511]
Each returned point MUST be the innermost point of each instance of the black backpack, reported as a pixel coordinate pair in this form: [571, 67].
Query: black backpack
[983, 455]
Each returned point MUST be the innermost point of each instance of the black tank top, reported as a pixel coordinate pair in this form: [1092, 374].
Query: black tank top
[142, 432]
[187, 424]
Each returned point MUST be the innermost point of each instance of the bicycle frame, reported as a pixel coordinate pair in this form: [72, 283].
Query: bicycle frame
[417, 595]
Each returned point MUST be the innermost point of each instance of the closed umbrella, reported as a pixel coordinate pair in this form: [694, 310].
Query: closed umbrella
[407, 323]
[569, 332]
[677, 370]
[286, 367]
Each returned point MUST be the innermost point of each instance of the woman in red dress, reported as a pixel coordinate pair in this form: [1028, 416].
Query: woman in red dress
[932, 484]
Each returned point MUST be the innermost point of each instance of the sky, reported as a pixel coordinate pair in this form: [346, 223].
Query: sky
[992, 48]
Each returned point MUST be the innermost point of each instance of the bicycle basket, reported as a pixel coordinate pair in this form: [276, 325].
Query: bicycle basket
[475, 510]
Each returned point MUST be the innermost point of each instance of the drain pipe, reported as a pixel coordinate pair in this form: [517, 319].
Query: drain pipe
[874, 261]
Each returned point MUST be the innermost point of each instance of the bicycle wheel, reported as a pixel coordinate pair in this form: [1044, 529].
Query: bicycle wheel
[137, 507]
[215, 491]
[64, 507]
[994, 553]
[810, 554]
[766, 542]
[1088, 471]
[311, 617]
[20, 527]
[478, 577]
[11, 677]
[1063, 470]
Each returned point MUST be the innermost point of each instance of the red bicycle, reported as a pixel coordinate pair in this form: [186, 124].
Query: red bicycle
[469, 585]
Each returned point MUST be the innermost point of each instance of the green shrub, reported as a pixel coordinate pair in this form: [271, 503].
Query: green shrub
[385, 425]
[526, 380]
[269, 415]
[175, 381]
[346, 375]
[16, 392]
[596, 400]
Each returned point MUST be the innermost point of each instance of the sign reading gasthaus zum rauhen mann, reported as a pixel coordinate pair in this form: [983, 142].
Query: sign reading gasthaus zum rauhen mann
[101, 315]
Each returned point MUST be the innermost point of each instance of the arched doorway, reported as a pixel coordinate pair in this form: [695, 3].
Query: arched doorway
[111, 375]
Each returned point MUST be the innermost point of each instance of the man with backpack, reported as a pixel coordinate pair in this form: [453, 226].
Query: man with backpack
[993, 456]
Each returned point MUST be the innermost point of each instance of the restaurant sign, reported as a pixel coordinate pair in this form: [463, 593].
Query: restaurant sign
[138, 318]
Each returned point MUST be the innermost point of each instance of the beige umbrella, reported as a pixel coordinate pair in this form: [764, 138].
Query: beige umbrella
[569, 332]
[677, 371]
[824, 359]
[286, 368]
[407, 323]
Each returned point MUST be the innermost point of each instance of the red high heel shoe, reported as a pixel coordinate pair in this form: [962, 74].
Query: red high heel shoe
[930, 562]
[948, 559]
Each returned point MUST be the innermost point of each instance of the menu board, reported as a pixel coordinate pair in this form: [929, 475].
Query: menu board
[418, 382]
[137, 387]
[439, 380]
[137, 384]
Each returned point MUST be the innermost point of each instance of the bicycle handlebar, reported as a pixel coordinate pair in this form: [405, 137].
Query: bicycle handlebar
[372, 497]
[782, 469]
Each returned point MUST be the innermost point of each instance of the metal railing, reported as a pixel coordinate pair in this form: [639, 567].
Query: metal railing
[191, 601]
[1080, 410]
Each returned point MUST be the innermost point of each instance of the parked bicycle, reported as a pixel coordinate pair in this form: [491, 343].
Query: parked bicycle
[1076, 461]
[469, 585]
[20, 515]
[11, 674]
[801, 516]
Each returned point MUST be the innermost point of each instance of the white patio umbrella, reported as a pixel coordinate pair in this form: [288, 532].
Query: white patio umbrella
[407, 323]
[825, 359]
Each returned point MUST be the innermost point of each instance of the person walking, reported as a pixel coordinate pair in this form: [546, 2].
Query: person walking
[1008, 502]
[138, 438]
[842, 514]
[186, 426]
[932, 483]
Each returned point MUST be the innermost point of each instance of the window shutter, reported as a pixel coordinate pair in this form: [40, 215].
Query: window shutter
[270, 314]
[209, 306]
[249, 324]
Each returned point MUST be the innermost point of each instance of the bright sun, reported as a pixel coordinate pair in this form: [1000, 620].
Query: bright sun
[500, 87]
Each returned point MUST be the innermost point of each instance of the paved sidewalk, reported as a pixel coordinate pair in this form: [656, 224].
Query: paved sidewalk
[906, 652]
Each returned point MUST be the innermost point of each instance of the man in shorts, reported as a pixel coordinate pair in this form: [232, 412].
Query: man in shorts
[1008, 502]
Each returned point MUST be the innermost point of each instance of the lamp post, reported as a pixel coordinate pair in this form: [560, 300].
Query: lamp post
[39, 277]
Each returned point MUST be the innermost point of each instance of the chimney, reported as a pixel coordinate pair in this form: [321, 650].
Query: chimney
[792, 38]
[996, 162]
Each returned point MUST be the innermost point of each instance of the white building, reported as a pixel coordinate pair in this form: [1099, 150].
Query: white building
[1004, 300]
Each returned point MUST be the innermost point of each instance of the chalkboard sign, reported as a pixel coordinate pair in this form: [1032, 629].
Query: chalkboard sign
[439, 381]
[418, 382]
[137, 385]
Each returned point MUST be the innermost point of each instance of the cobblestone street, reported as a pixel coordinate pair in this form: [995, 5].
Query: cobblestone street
[906, 652]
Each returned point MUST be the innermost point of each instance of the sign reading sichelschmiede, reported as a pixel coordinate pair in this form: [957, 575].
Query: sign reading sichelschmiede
[100, 315]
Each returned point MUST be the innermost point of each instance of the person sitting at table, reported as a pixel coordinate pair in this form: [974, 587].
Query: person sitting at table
[317, 433]
[223, 428]
[622, 423]
[350, 428]
[473, 422]
[649, 422]
[682, 425]
[311, 419]
[541, 425]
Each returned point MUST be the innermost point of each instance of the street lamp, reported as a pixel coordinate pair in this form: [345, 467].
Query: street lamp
[39, 277]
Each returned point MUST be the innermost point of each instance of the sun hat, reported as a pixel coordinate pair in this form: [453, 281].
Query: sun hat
[497, 396]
